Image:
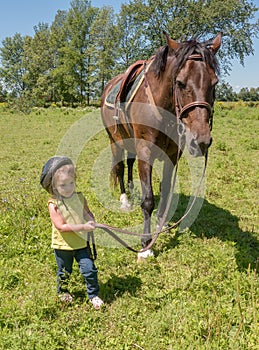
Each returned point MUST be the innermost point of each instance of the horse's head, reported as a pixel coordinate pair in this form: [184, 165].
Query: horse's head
[194, 89]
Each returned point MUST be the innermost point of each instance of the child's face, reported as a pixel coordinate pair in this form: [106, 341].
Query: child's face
[65, 184]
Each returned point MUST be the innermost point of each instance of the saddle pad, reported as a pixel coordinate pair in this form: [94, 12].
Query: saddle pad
[114, 91]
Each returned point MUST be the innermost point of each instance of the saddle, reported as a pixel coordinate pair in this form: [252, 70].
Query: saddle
[127, 80]
[125, 84]
[124, 91]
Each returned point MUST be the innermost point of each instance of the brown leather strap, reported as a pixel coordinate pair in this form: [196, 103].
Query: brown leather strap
[196, 104]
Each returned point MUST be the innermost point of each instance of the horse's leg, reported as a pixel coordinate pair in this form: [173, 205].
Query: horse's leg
[130, 162]
[147, 204]
[118, 173]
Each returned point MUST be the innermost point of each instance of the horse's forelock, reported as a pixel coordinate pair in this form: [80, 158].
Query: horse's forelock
[191, 47]
[185, 50]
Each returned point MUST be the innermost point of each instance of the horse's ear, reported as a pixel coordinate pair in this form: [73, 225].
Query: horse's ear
[215, 45]
[170, 42]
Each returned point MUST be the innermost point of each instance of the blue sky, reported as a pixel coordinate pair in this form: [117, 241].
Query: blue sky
[19, 16]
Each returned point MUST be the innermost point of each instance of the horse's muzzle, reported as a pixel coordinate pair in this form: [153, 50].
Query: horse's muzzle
[197, 149]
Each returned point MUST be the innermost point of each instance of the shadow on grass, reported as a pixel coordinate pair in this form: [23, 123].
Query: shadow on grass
[117, 286]
[213, 221]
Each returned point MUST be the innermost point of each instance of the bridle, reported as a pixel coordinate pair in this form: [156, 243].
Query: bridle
[180, 110]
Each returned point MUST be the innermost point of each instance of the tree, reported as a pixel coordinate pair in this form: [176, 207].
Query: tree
[247, 94]
[185, 19]
[254, 94]
[75, 57]
[130, 33]
[103, 49]
[72, 60]
[3, 94]
[38, 59]
[225, 92]
[59, 40]
[12, 72]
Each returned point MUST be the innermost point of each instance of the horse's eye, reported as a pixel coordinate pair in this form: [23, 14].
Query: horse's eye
[180, 84]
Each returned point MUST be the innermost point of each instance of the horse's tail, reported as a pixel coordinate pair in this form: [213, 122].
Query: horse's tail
[113, 179]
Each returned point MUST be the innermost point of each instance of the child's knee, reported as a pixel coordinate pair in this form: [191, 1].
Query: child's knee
[87, 267]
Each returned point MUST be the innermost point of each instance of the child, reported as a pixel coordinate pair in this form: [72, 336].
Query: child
[72, 225]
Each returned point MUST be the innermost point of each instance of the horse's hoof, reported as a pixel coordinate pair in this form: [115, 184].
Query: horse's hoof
[142, 256]
[125, 205]
[141, 260]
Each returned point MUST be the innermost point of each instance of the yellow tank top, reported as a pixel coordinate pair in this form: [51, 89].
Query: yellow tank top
[72, 211]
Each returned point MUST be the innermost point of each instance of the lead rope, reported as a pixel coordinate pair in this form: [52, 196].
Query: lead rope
[90, 237]
[171, 193]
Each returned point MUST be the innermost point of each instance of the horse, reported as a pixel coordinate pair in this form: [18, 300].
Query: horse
[153, 110]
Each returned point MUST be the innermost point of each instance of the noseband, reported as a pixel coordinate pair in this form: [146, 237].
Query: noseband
[180, 111]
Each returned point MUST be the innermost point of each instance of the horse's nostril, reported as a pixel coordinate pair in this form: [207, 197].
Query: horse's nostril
[193, 143]
[203, 147]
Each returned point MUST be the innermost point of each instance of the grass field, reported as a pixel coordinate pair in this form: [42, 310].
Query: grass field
[200, 291]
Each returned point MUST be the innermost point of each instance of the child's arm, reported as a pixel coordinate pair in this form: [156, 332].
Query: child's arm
[60, 223]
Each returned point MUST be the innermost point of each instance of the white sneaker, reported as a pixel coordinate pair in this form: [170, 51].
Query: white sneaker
[66, 297]
[97, 302]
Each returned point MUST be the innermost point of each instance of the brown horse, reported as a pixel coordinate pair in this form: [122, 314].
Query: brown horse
[155, 108]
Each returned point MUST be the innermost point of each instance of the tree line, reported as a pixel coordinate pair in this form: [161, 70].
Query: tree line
[69, 61]
[225, 92]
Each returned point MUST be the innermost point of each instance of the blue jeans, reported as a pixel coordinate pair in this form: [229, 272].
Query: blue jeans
[65, 259]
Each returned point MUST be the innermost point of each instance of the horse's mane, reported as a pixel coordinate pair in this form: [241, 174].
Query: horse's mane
[185, 50]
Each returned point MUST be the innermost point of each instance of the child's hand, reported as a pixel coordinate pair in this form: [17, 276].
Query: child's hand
[89, 226]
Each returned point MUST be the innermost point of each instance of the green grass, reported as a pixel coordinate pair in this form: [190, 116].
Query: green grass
[200, 291]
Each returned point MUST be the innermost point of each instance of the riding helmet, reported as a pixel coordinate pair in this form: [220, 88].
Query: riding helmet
[49, 169]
